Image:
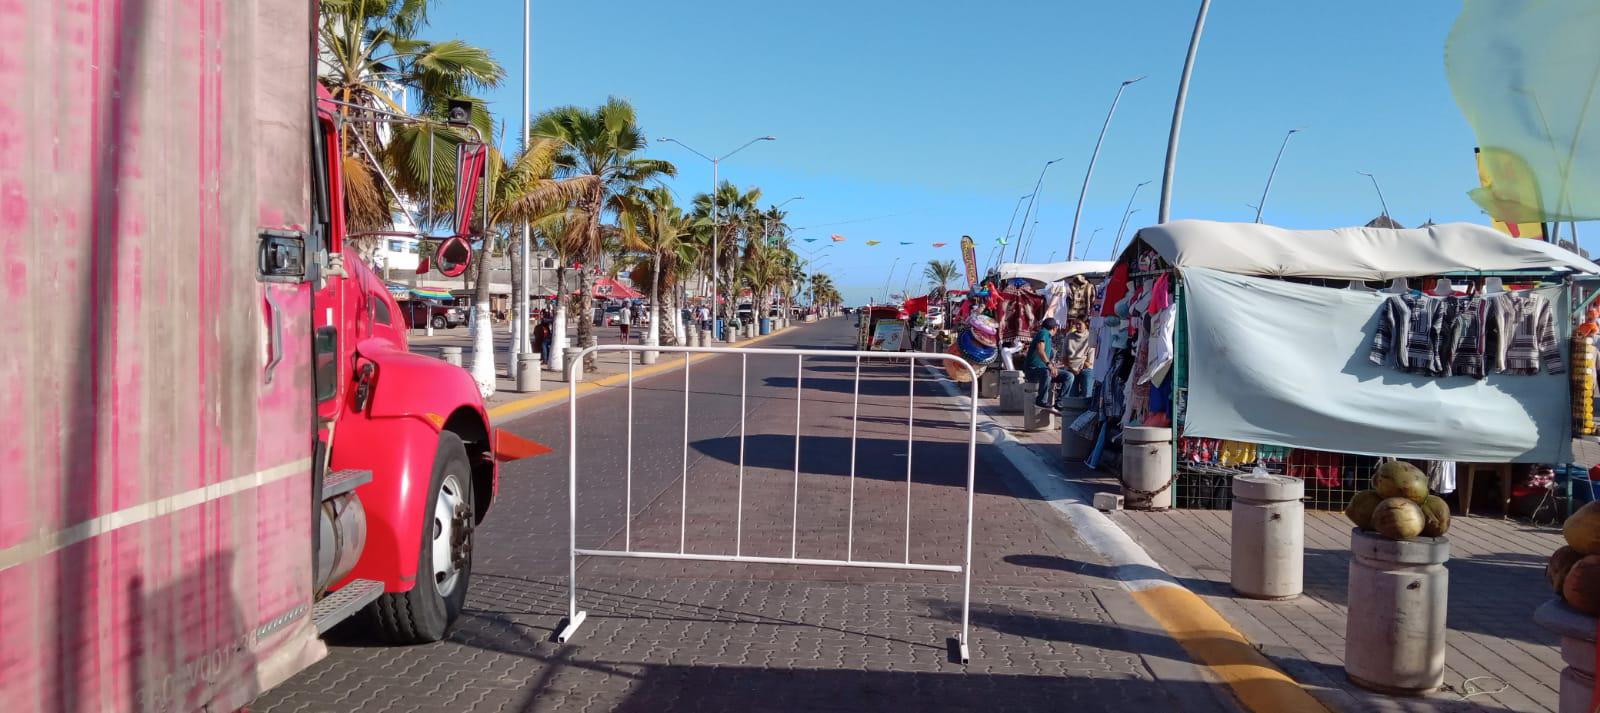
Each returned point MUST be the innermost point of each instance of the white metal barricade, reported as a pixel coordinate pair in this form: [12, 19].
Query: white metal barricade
[575, 616]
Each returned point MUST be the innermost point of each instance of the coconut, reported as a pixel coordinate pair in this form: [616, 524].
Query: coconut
[1581, 587]
[1361, 506]
[1582, 528]
[1556, 570]
[1435, 516]
[1397, 519]
[1399, 479]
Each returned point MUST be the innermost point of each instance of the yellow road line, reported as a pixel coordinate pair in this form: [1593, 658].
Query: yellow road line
[1210, 640]
[513, 408]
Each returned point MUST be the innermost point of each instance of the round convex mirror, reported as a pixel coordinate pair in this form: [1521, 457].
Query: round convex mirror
[454, 254]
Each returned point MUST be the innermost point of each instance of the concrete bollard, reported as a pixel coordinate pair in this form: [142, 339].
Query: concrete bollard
[1011, 397]
[648, 358]
[1074, 446]
[1269, 540]
[1033, 417]
[1147, 467]
[989, 384]
[694, 338]
[1577, 632]
[452, 355]
[528, 373]
[1394, 629]
[733, 335]
[558, 354]
[574, 364]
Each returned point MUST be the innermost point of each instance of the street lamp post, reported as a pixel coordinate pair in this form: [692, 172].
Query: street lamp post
[716, 223]
[1177, 113]
[1032, 197]
[1072, 241]
[1126, 213]
[888, 279]
[1263, 204]
[1087, 246]
[1013, 221]
[1381, 201]
[521, 345]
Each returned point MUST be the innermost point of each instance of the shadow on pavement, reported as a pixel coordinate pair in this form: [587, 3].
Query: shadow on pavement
[933, 462]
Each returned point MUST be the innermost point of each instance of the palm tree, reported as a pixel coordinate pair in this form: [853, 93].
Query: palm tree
[940, 273]
[369, 56]
[601, 144]
[660, 228]
[523, 190]
[734, 218]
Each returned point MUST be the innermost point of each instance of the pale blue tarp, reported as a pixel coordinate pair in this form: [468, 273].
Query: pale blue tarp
[1286, 364]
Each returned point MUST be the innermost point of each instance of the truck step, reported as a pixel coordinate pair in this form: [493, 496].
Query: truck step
[344, 603]
[340, 482]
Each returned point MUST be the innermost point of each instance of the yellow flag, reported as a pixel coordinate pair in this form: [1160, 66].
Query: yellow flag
[1515, 230]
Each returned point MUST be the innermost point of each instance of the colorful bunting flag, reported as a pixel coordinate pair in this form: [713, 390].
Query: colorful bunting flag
[940, 245]
[872, 242]
[838, 238]
[809, 240]
[905, 242]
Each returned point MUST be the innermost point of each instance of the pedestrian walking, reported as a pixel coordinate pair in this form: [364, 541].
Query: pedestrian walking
[542, 336]
[1041, 364]
[624, 320]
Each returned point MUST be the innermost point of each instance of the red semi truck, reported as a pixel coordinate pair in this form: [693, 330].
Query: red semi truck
[215, 443]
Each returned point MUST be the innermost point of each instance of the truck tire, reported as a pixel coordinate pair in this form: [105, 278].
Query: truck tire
[439, 322]
[425, 613]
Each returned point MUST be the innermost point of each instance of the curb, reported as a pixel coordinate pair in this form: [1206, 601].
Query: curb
[1256, 682]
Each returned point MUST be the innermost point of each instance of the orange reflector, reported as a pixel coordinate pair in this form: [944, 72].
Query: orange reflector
[509, 446]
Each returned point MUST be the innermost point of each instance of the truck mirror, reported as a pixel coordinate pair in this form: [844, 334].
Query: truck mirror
[453, 256]
[471, 157]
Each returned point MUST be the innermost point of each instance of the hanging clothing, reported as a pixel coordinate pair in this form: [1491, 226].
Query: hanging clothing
[1271, 454]
[1079, 298]
[1407, 328]
[1198, 450]
[1462, 339]
[1323, 467]
[1525, 325]
[1056, 303]
[1116, 287]
[1441, 476]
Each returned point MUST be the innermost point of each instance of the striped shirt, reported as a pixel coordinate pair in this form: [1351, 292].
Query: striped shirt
[1407, 327]
[1525, 327]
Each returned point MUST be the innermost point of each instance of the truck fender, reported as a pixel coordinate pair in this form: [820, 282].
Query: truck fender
[397, 438]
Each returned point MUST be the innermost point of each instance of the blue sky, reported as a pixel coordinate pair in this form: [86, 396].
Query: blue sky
[921, 122]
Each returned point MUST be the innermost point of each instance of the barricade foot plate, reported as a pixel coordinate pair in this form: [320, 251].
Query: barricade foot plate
[570, 626]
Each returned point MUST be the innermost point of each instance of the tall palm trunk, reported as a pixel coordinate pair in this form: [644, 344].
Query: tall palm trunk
[655, 303]
[483, 371]
[586, 336]
[558, 326]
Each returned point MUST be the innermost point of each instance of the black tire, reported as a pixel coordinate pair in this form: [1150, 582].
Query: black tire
[425, 614]
[439, 322]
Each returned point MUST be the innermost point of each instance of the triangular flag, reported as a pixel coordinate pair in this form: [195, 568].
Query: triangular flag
[422, 266]
[940, 245]
[838, 238]
[872, 242]
[905, 243]
[809, 240]
[1002, 241]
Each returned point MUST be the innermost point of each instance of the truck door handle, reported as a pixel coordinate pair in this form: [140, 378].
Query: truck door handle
[276, 337]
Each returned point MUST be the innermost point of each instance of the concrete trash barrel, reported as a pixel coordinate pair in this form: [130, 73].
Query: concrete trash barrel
[1147, 468]
[1269, 536]
[1010, 391]
[1074, 446]
[989, 384]
[1394, 629]
[451, 355]
[528, 373]
[1577, 632]
[574, 364]
[1033, 417]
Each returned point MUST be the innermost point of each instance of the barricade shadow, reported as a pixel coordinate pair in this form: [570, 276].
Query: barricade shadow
[933, 462]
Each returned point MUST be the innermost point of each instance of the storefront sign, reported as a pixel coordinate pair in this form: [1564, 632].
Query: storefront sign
[889, 335]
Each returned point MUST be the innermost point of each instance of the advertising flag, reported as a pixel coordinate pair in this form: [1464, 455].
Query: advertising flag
[1515, 230]
[969, 256]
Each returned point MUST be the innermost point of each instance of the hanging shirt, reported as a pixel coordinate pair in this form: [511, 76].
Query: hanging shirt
[1462, 341]
[1526, 327]
[1079, 297]
[1406, 327]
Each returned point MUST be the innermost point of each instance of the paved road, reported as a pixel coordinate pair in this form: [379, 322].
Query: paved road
[1049, 632]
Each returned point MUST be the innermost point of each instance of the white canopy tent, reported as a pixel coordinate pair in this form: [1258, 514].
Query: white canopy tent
[1053, 271]
[1286, 364]
[1354, 253]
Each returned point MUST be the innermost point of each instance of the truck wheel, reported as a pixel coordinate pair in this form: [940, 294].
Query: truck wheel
[426, 612]
[439, 322]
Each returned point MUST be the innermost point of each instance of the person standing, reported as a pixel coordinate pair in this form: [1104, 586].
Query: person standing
[1041, 364]
[624, 320]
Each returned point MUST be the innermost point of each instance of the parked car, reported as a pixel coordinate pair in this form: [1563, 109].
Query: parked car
[419, 313]
[935, 319]
[744, 313]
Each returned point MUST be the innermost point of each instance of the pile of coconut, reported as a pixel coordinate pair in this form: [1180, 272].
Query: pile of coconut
[1398, 506]
[1574, 570]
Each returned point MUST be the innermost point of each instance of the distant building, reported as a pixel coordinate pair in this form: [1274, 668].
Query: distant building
[1384, 221]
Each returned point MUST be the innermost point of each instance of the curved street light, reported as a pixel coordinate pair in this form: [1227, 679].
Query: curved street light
[716, 237]
[1072, 240]
[1263, 204]
[1034, 196]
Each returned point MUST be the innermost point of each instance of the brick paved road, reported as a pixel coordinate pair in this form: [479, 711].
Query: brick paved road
[700, 636]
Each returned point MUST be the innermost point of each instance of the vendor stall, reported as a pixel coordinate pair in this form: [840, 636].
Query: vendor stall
[1002, 315]
[1317, 353]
